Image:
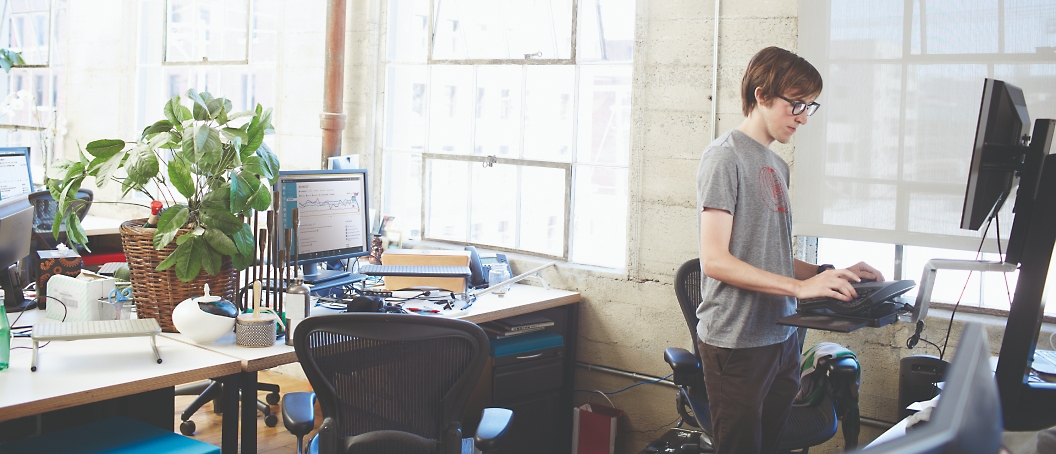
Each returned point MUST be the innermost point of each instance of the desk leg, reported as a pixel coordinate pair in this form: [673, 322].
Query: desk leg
[249, 412]
[229, 425]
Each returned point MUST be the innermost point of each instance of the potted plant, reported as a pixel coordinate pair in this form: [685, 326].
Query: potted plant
[209, 168]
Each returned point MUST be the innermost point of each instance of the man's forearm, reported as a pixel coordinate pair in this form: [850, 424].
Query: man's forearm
[805, 270]
[733, 271]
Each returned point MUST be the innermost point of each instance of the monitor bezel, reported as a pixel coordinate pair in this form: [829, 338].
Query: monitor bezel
[281, 214]
[25, 151]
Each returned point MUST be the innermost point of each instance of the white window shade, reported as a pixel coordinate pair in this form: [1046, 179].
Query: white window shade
[886, 158]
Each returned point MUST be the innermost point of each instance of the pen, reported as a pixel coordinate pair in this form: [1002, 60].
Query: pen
[418, 309]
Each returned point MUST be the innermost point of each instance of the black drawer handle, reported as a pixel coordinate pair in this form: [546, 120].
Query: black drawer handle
[530, 356]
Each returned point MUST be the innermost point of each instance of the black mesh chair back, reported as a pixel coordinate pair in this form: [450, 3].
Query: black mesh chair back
[44, 209]
[391, 383]
[687, 292]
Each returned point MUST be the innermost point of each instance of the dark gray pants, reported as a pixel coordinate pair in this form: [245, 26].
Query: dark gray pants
[750, 391]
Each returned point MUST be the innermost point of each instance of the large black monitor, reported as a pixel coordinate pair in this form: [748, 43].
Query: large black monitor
[967, 419]
[1004, 156]
[16, 177]
[1001, 161]
[334, 220]
[16, 227]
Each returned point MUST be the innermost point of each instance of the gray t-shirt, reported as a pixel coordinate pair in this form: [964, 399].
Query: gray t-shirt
[739, 175]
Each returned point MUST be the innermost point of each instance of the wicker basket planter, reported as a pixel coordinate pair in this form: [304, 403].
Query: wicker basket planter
[156, 293]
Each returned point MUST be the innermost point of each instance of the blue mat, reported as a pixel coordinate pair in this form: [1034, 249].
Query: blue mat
[118, 435]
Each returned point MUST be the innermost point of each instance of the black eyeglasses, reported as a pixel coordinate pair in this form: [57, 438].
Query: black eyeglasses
[798, 106]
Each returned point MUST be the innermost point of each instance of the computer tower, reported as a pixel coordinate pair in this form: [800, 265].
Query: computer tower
[917, 376]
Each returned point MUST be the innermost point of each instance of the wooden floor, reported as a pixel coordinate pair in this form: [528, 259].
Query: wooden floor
[269, 439]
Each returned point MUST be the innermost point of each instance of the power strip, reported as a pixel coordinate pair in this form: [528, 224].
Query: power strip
[376, 293]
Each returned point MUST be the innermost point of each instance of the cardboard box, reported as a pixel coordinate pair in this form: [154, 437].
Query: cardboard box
[425, 257]
[52, 263]
[80, 294]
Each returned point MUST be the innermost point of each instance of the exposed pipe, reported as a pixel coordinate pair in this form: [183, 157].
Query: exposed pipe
[332, 120]
[715, 73]
[627, 374]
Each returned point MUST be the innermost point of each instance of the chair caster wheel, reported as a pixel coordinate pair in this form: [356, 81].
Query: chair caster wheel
[271, 420]
[272, 398]
[187, 427]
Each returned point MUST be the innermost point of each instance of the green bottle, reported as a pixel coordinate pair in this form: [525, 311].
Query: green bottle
[5, 339]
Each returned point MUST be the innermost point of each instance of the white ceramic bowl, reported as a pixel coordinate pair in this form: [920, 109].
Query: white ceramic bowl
[201, 326]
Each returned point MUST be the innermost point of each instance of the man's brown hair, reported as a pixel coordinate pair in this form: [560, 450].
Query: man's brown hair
[778, 71]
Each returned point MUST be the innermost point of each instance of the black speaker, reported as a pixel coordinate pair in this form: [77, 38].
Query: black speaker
[365, 304]
[917, 376]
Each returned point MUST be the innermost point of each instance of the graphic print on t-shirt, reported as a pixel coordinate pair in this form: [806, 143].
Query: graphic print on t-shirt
[772, 190]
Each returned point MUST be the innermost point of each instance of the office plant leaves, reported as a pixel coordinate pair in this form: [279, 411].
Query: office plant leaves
[207, 164]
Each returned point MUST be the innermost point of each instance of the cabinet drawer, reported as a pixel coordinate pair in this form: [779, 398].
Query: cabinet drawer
[531, 377]
[529, 356]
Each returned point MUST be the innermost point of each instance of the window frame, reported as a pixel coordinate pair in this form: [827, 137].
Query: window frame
[427, 155]
[431, 40]
[205, 61]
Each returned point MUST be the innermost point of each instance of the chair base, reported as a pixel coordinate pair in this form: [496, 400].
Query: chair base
[681, 441]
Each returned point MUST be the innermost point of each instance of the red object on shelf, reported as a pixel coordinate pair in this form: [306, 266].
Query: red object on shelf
[99, 259]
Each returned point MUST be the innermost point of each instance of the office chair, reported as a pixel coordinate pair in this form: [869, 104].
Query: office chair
[212, 390]
[808, 425]
[390, 383]
[44, 209]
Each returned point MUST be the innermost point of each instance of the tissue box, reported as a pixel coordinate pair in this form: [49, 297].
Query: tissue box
[53, 263]
[80, 294]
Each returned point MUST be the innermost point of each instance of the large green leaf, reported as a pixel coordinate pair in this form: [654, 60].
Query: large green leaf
[241, 262]
[211, 258]
[145, 167]
[257, 127]
[176, 113]
[180, 176]
[219, 197]
[220, 241]
[216, 217]
[271, 162]
[243, 185]
[256, 165]
[103, 168]
[200, 111]
[187, 268]
[182, 252]
[75, 232]
[261, 199]
[207, 146]
[58, 169]
[158, 126]
[244, 240]
[170, 221]
[105, 148]
[231, 133]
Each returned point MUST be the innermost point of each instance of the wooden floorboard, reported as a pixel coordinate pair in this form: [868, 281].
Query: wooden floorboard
[271, 440]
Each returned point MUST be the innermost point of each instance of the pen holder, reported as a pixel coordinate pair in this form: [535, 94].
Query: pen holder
[256, 330]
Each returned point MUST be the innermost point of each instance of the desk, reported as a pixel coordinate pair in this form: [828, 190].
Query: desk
[521, 299]
[92, 370]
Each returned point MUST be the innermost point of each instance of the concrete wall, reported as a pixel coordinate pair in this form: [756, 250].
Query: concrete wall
[627, 318]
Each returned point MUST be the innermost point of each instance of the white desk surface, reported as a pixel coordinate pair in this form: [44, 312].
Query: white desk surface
[98, 225]
[91, 370]
[521, 299]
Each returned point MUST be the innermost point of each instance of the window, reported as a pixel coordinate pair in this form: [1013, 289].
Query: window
[510, 129]
[30, 94]
[886, 159]
[226, 48]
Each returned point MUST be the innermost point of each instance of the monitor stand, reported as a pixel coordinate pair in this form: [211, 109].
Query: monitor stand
[314, 274]
[14, 300]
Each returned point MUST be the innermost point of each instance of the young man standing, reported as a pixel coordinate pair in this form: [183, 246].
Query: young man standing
[751, 364]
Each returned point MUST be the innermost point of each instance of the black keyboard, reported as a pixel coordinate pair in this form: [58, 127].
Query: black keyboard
[870, 295]
[415, 270]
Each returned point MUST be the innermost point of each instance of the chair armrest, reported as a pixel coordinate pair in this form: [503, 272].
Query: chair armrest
[493, 426]
[681, 360]
[842, 369]
[298, 412]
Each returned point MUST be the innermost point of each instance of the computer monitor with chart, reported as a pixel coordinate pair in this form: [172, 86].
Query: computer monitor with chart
[15, 176]
[334, 221]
